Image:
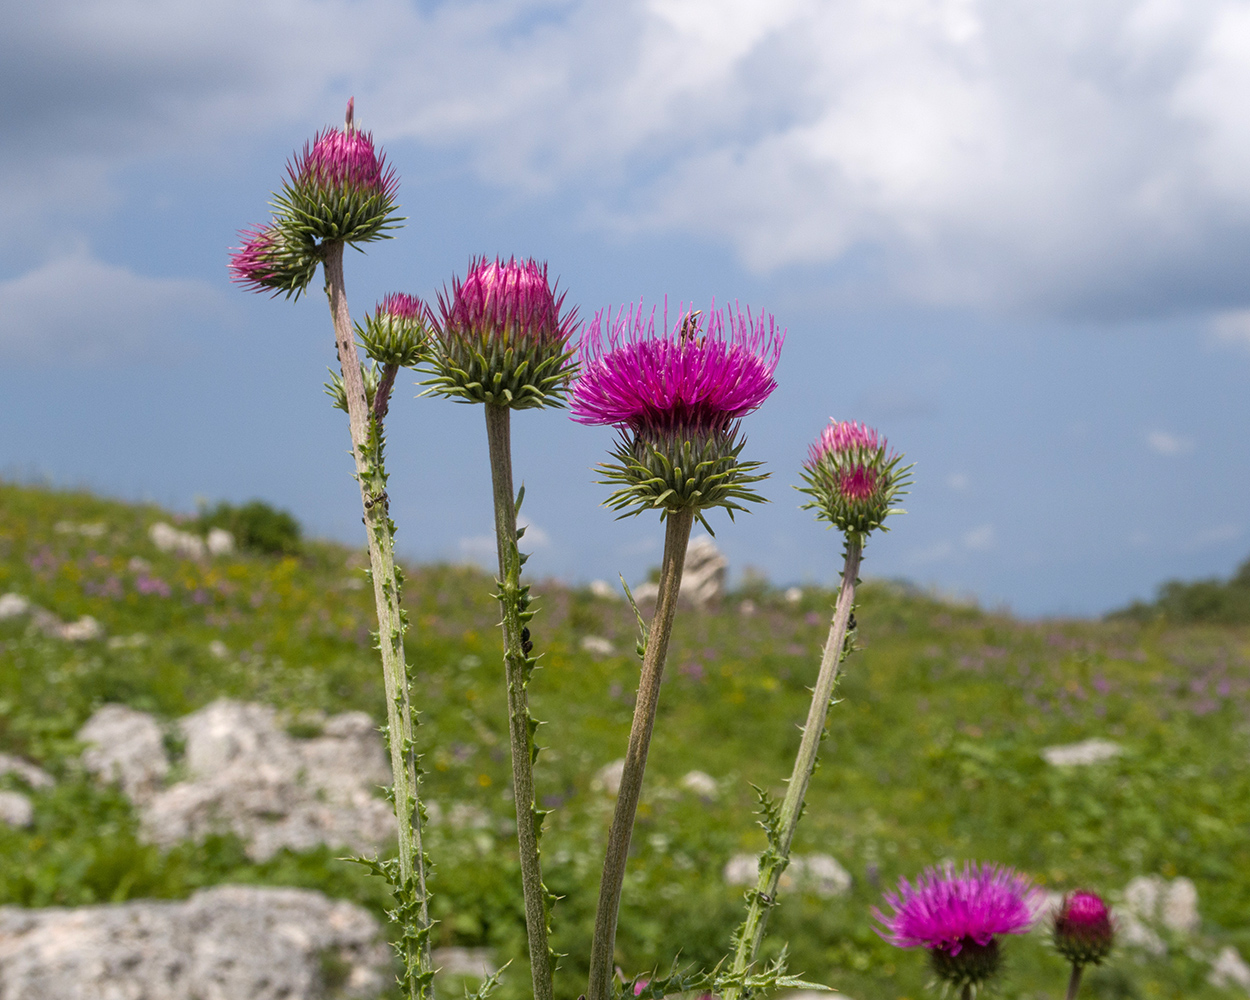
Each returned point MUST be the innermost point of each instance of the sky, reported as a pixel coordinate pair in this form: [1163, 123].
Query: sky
[1013, 237]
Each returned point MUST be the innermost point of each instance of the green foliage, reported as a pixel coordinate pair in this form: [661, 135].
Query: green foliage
[1217, 602]
[933, 752]
[256, 526]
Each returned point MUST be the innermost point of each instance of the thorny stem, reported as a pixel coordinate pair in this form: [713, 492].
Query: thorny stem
[775, 860]
[380, 531]
[676, 537]
[516, 669]
[1074, 984]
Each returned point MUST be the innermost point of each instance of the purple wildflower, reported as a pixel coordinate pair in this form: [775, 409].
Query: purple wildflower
[503, 336]
[634, 377]
[344, 159]
[252, 263]
[852, 476]
[399, 305]
[946, 910]
[1083, 930]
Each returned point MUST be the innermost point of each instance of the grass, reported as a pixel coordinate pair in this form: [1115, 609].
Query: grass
[932, 753]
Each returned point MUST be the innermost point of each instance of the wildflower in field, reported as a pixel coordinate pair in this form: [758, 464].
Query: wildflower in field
[676, 395]
[1083, 933]
[958, 916]
[853, 478]
[502, 337]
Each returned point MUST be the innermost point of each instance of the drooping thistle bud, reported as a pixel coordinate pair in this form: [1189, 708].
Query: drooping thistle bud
[267, 260]
[853, 480]
[397, 333]
[958, 916]
[502, 336]
[1083, 929]
[676, 395]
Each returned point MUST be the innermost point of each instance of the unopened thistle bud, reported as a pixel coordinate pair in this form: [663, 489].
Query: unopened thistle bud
[852, 479]
[676, 395]
[269, 259]
[501, 337]
[1083, 931]
[398, 331]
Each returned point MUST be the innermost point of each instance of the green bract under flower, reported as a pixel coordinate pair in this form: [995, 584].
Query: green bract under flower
[854, 482]
[501, 338]
[397, 333]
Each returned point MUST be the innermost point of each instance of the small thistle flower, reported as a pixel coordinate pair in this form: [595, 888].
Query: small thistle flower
[1083, 930]
[853, 479]
[397, 332]
[267, 260]
[676, 396]
[957, 917]
[339, 189]
[501, 337]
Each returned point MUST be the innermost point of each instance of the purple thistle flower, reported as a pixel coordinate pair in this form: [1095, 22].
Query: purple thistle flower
[1083, 929]
[959, 914]
[252, 263]
[853, 477]
[684, 379]
[503, 336]
[339, 159]
[401, 306]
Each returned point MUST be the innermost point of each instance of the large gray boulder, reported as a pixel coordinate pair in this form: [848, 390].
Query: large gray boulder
[227, 943]
[127, 747]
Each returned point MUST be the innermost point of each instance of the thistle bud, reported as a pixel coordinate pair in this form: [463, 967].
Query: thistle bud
[852, 478]
[271, 259]
[397, 332]
[1083, 931]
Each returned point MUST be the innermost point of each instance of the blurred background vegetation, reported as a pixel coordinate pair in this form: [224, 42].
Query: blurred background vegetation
[933, 751]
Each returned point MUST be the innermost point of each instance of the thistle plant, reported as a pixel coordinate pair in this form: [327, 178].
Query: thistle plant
[502, 340]
[853, 481]
[1083, 933]
[958, 917]
[675, 395]
[339, 192]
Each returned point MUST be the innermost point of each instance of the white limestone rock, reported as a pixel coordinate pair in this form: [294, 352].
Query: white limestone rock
[452, 961]
[219, 542]
[1092, 751]
[13, 606]
[225, 943]
[167, 538]
[596, 645]
[703, 579]
[126, 746]
[701, 783]
[818, 874]
[34, 776]
[16, 810]
[608, 778]
[1229, 969]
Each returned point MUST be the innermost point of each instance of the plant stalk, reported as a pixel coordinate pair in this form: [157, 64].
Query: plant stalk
[775, 860]
[1074, 984]
[513, 602]
[603, 946]
[366, 434]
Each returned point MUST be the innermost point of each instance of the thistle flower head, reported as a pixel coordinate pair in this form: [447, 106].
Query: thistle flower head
[502, 336]
[852, 477]
[957, 916]
[676, 395]
[339, 189]
[266, 260]
[398, 331]
[1083, 929]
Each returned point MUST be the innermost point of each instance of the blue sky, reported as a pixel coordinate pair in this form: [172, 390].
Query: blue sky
[1012, 236]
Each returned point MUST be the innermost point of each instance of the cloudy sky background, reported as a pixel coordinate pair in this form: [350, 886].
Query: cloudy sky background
[1013, 236]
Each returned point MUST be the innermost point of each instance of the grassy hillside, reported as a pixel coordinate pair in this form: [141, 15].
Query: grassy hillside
[933, 752]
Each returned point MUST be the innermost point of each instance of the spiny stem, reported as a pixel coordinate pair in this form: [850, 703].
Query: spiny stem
[676, 537]
[775, 860]
[498, 435]
[380, 532]
[1074, 984]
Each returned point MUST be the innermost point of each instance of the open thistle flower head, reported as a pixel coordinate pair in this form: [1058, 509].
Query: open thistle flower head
[502, 337]
[1083, 930]
[339, 189]
[853, 478]
[958, 916]
[266, 261]
[676, 394]
[397, 333]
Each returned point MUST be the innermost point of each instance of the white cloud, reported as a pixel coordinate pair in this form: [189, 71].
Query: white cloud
[980, 539]
[958, 481]
[78, 309]
[1232, 328]
[1166, 443]
[480, 551]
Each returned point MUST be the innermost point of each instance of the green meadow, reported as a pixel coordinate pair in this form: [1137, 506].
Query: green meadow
[933, 750]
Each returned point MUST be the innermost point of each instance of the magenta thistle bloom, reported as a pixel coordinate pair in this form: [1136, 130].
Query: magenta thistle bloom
[503, 336]
[344, 159]
[957, 916]
[634, 377]
[852, 477]
[676, 394]
[1083, 930]
[267, 261]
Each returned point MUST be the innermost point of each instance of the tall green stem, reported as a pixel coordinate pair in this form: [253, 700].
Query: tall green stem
[367, 446]
[676, 538]
[1074, 984]
[777, 857]
[513, 601]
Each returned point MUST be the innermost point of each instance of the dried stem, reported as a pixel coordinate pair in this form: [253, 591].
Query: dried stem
[513, 601]
[676, 537]
[366, 434]
[777, 857]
